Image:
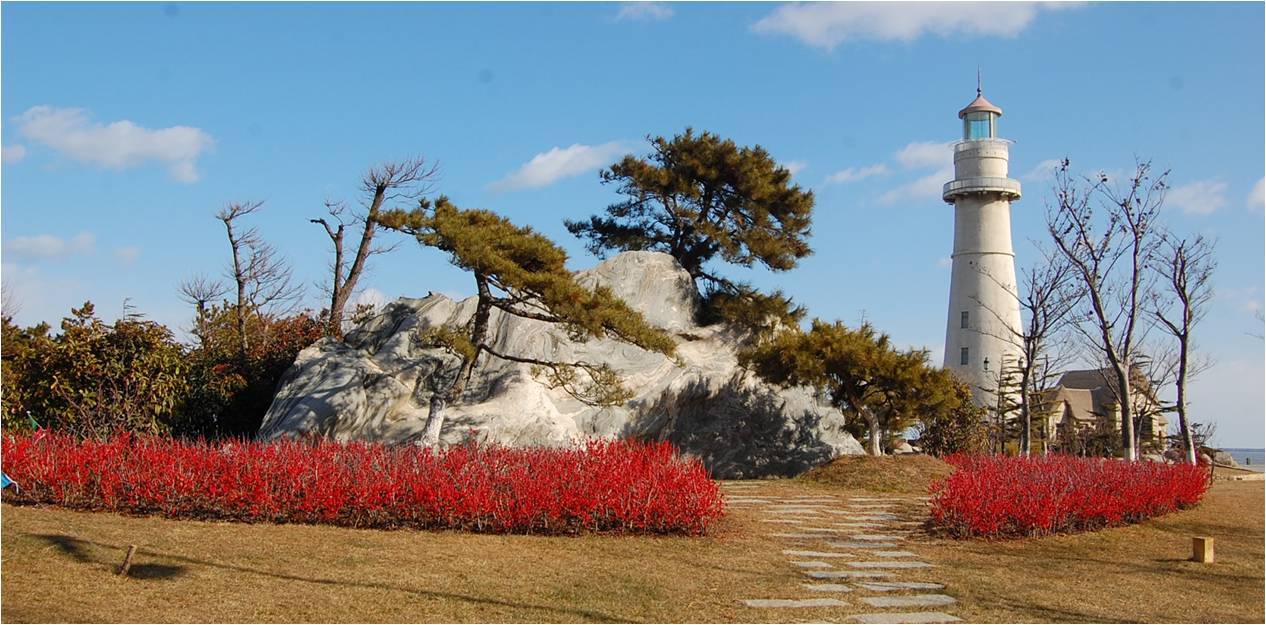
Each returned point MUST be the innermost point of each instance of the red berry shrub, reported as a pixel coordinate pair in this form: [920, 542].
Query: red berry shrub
[602, 486]
[995, 496]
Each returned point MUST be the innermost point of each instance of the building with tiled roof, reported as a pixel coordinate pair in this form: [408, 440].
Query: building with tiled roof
[1086, 401]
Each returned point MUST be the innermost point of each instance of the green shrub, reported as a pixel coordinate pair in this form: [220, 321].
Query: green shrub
[94, 379]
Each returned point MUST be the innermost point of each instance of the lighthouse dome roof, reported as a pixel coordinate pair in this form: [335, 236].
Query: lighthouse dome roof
[980, 104]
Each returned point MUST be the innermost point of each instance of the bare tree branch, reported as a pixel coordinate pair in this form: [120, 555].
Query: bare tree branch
[1109, 238]
[407, 179]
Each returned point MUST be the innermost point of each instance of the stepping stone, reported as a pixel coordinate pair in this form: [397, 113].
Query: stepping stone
[811, 564]
[911, 601]
[836, 574]
[906, 617]
[887, 586]
[828, 587]
[870, 507]
[816, 554]
[860, 545]
[812, 510]
[875, 537]
[799, 535]
[890, 564]
[781, 521]
[893, 554]
[875, 499]
[861, 524]
[794, 603]
[824, 529]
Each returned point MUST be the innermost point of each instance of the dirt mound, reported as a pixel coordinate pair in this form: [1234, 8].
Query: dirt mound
[909, 474]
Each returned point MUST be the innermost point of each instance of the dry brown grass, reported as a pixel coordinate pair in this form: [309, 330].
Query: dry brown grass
[1138, 574]
[911, 474]
[58, 566]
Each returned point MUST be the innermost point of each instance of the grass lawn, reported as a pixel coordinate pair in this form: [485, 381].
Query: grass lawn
[1134, 574]
[58, 566]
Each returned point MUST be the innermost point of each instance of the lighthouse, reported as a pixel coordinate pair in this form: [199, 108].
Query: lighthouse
[982, 326]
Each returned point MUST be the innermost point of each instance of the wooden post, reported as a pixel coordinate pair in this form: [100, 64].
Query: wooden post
[127, 560]
[1202, 549]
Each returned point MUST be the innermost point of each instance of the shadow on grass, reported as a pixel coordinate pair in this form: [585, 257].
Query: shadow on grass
[76, 549]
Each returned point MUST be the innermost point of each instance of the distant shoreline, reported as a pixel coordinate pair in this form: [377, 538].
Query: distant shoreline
[1250, 458]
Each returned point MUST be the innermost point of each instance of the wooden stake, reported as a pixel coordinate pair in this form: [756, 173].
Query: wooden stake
[1202, 549]
[127, 560]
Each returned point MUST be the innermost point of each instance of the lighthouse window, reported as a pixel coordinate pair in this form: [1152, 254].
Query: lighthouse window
[978, 125]
[962, 320]
[962, 356]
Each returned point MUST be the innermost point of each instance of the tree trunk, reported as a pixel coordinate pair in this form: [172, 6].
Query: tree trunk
[872, 424]
[1188, 444]
[478, 334]
[1128, 450]
[434, 422]
[1026, 424]
[343, 292]
[239, 277]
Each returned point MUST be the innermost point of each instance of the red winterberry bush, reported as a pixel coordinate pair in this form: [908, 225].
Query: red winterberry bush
[999, 497]
[617, 486]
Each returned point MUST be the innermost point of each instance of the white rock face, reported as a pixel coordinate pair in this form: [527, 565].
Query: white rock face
[376, 384]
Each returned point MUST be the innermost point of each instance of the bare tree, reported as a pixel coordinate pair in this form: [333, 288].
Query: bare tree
[260, 275]
[201, 292]
[1109, 237]
[1186, 270]
[408, 179]
[1050, 294]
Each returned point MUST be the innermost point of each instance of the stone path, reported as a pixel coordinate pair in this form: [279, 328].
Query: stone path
[851, 548]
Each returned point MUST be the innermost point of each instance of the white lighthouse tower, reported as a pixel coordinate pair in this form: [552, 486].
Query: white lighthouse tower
[984, 311]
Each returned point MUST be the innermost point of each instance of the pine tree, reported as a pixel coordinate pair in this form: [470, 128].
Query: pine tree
[522, 273]
[700, 198]
[865, 377]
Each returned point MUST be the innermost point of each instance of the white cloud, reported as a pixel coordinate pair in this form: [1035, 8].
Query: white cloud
[1257, 197]
[945, 263]
[1201, 197]
[853, 174]
[828, 24]
[47, 246]
[795, 167]
[11, 154]
[1044, 170]
[645, 11]
[117, 145]
[549, 167]
[127, 254]
[920, 154]
[925, 188]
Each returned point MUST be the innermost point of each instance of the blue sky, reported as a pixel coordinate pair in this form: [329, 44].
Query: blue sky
[126, 126]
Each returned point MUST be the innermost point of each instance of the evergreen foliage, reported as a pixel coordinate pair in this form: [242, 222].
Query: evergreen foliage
[883, 388]
[522, 273]
[699, 198]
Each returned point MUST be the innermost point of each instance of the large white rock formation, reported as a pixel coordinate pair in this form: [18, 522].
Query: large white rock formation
[376, 384]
